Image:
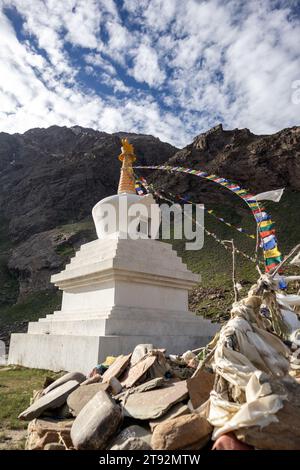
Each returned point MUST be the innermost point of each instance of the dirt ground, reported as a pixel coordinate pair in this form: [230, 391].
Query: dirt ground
[12, 439]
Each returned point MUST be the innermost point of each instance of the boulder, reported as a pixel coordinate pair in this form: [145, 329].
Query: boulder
[96, 423]
[65, 378]
[132, 438]
[189, 431]
[53, 399]
[154, 403]
[82, 395]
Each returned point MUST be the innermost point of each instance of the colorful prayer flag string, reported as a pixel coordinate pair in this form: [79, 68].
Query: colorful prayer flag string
[263, 219]
[186, 199]
[142, 183]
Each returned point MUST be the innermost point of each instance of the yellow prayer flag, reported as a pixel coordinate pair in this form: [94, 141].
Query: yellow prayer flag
[272, 253]
[265, 223]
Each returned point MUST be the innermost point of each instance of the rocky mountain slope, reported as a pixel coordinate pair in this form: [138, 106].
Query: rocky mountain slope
[51, 178]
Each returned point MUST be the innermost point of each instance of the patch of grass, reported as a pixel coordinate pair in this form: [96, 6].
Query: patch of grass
[85, 225]
[35, 305]
[85, 229]
[65, 250]
[16, 389]
[14, 318]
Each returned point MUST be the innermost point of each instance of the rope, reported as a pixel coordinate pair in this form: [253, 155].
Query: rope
[211, 234]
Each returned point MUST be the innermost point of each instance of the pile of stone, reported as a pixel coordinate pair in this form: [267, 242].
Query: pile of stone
[144, 400]
[244, 393]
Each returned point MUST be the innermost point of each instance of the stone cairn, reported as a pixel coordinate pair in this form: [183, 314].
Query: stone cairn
[144, 400]
[240, 392]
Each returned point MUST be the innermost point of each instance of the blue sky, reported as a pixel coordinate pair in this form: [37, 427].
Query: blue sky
[170, 68]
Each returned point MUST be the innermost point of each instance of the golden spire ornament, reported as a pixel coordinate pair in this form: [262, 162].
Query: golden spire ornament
[127, 180]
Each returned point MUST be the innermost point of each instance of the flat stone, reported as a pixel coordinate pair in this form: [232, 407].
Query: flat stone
[117, 368]
[96, 423]
[177, 410]
[6, 369]
[82, 395]
[92, 380]
[53, 399]
[150, 385]
[160, 366]
[154, 403]
[132, 438]
[136, 372]
[139, 352]
[200, 386]
[65, 378]
[181, 433]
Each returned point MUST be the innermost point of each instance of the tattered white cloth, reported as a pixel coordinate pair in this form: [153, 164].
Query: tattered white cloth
[246, 356]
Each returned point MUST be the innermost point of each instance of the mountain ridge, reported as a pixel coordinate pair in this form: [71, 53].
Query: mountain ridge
[50, 179]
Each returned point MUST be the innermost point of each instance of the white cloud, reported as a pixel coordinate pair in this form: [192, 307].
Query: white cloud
[96, 60]
[204, 61]
[146, 67]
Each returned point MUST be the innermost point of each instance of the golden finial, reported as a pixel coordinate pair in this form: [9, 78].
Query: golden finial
[127, 157]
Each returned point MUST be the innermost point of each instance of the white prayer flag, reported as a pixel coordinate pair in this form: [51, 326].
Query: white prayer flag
[270, 195]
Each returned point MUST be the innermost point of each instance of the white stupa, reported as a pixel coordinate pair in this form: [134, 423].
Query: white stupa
[118, 291]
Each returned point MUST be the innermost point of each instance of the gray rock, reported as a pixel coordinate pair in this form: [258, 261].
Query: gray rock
[82, 395]
[96, 423]
[133, 443]
[154, 403]
[132, 438]
[150, 384]
[65, 378]
[139, 352]
[54, 399]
